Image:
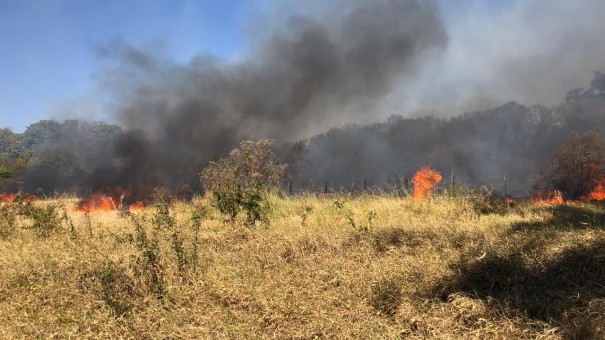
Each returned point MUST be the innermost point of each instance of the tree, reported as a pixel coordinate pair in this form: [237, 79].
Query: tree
[575, 166]
[11, 144]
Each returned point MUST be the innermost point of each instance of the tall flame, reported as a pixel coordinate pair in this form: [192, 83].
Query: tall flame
[424, 182]
[598, 192]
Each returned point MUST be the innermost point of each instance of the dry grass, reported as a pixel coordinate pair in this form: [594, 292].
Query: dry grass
[444, 268]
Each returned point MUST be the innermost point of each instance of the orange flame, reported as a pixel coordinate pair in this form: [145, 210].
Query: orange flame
[98, 203]
[555, 197]
[598, 192]
[138, 205]
[115, 200]
[424, 182]
[7, 198]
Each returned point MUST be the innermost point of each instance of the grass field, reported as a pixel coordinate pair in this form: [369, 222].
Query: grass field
[367, 267]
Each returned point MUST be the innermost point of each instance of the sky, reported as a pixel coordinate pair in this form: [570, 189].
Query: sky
[48, 47]
[531, 51]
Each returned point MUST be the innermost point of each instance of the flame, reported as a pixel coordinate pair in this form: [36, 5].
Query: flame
[598, 192]
[98, 202]
[114, 200]
[138, 205]
[555, 197]
[424, 182]
[7, 198]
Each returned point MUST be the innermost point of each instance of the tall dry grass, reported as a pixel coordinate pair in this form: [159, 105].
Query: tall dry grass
[442, 268]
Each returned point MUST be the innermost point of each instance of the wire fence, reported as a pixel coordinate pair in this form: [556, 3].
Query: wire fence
[492, 185]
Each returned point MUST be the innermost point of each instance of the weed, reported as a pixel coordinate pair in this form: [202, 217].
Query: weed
[306, 210]
[88, 223]
[46, 220]
[196, 219]
[147, 263]
[8, 219]
[163, 220]
[359, 227]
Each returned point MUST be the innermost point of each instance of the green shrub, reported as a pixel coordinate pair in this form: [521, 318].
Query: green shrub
[242, 181]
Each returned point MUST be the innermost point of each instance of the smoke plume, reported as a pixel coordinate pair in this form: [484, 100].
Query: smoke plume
[307, 74]
[317, 76]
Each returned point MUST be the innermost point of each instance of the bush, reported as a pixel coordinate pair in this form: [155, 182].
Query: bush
[242, 181]
[575, 166]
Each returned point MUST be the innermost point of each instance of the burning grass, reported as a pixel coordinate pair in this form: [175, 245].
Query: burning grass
[598, 192]
[438, 268]
[7, 198]
[108, 202]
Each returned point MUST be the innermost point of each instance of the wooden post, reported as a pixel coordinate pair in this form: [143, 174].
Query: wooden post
[290, 187]
[326, 187]
[365, 185]
[453, 182]
[505, 187]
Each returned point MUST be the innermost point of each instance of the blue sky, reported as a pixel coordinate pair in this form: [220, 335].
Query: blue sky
[47, 47]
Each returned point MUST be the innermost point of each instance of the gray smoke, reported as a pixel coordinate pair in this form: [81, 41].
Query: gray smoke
[306, 74]
[311, 66]
[529, 51]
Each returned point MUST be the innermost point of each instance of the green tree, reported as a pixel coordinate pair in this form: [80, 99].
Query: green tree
[11, 144]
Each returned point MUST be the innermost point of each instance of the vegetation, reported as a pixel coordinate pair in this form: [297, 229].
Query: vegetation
[324, 267]
[575, 166]
[243, 181]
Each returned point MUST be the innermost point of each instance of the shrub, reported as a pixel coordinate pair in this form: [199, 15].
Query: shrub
[45, 220]
[242, 181]
[8, 217]
[575, 166]
[185, 193]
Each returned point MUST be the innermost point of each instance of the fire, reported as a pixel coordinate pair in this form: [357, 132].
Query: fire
[115, 200]
[555, 197]
[424, 182]
[138, 205]
[7, 198]
[98, 203]
[598, 192]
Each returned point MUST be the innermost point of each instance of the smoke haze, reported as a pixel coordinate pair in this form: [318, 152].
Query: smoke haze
[307, 74]
[312, 66]
[531, 52]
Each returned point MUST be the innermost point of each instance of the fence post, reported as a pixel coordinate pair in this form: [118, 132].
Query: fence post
[290, 187]
[505, 187]
[326, 187]
[365, 185]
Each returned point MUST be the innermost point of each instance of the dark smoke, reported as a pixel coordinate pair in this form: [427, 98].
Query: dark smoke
[328, 76]
[309, 74]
